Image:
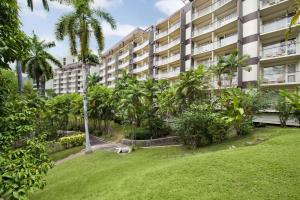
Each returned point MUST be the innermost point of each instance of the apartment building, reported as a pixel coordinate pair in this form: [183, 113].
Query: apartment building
[202, 31]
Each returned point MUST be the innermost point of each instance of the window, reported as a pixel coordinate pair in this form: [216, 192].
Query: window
[280, 74]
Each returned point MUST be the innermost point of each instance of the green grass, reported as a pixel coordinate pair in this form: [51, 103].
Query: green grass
[269, 170]
[65, 153]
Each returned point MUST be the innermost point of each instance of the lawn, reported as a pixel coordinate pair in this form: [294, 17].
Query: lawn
[269, 170]
[63, 154]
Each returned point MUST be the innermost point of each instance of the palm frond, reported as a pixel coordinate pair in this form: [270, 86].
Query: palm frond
[107, 17]
[96, 26]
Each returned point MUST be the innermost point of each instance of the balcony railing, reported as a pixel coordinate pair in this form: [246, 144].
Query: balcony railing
[168, 60]
[141, 46]
[267, 3]
[202, 30]
[141, 57]
[167, 46]
[203, 48]
[226, 20]
[204, 11]
[277, 24]
[227, 41]
[280, 50]
[123, 65]
[111, 62]
[168, 74]
[140, 69]
[169, 30]
[280, 77]
[124, 55]
[226, 81]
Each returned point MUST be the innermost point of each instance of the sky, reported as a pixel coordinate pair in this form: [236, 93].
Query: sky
[129, 14]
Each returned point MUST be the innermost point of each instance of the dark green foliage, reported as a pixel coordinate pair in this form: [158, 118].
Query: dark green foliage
[284, 110]
[200, 126]
[293, 100]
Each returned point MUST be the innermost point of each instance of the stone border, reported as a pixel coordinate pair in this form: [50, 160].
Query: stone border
[172, 140]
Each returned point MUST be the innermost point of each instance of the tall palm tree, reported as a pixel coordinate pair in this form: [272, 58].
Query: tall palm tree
[234, 61]
[37, 64]
[78, 25]
[218, 70]
[295, 18]
[45, 4]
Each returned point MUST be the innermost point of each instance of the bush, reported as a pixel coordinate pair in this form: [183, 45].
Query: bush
[284, 110]
[200, 126]
[139, 134]
[72, 141]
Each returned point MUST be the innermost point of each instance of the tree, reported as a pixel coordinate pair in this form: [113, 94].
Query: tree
[37, 63]
[284, 110]
[93, 80]
[295, 18]
[45, 4]
[190, 87]
[294, 101]
[234, 61]
[77, 26]
[218, 70]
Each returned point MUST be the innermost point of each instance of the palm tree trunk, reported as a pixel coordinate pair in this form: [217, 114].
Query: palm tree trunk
[43, 86]
[85, 110]
[19, 73]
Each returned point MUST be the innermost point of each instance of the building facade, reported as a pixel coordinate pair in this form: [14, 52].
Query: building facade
[202, 31]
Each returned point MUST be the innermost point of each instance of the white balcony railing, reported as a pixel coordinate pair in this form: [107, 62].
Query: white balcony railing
[203, 48]
[123, 65]
[202, 30]
[227, 41]
[111, 62]
[226, 81]
[226, 20]
[204, 11]
[124, 55]
[278, 50]
[283, 74]
[172, 28]
[278, 24]
[141, 46]
[167, 46]
[141, 57]
[140, 69]
[112, 69]
[168, 74]
[168, 60]
[267, 3]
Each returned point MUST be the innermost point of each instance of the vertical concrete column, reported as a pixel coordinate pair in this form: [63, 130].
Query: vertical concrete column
[240, 39]
[189, 61]
[251, 40]
[130, 58]
[59, 81]
[105, 70]
[182, 39]
[76, 81]
[67, 77]
[117, 66]
[151, 52]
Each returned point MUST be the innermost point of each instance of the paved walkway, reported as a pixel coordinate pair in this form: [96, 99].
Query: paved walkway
[97, 144]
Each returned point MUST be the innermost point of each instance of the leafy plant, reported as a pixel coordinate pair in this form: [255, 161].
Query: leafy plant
[294, 101]
[72, 141]
[284, 109]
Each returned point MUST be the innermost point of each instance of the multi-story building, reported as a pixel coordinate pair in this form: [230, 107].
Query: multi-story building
[202, 31]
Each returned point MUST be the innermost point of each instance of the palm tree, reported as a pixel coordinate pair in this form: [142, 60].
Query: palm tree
[190, 87]
[234, 61]
[45, 4]
[77, 25]
[295, 18]
[37, 63]
[93, 80]
[218, 70]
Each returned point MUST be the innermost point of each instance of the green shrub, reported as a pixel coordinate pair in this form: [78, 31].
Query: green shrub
[200, 126]
[139, 134]
[284, 110]
[72, 141]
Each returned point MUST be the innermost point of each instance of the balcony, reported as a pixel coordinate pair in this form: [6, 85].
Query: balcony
[141, 46]
[140, 69]
[226, 81]
[124, 55]
[167, 46]
[279, 50]
[172, 28]
[141, 57]
[112, 78]
[200, 31]
[203, 48]
[220, 3]
[111, 62]
[168, 60]
[227, 41]
[278, 75]
[112, 69]
[226, 20]
[201, 12]
[123, 65]
[278, 24]
[169, 74]
[268, 3]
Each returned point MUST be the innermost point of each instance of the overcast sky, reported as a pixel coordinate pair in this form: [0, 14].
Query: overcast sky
[129, 14]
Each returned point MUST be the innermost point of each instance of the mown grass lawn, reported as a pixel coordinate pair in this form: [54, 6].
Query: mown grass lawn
[269, 170]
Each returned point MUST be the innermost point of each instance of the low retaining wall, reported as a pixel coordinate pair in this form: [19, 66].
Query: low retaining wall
[173, 140]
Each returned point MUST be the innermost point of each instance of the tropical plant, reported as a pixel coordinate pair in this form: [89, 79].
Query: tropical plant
[233, 62]
[167, 103]
[200, 125]
[284, 110]
[295, 18]
[93, 80]
[77, 26]
[191, 86]
[45, 4]
[294, 101]
[37, 63]
[72, 140]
